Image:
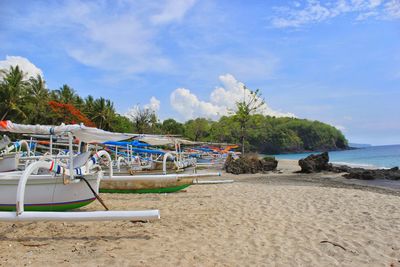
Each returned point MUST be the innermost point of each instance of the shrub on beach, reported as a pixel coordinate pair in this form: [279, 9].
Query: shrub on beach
[268, 158]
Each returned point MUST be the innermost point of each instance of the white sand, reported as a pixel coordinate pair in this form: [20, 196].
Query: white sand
[240, 224]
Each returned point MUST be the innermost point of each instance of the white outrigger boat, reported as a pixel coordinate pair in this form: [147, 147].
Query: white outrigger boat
[147, 181]
[49, 185]
[134, 158]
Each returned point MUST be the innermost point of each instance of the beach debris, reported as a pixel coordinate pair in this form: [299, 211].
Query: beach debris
[251, 163]
[315, 163]
[34, 245]
[333, 243]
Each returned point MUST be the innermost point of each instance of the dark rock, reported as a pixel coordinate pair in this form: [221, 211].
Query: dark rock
[315, 163]
[364, 174]
[339, 168]
[320, 162]
[249, 164]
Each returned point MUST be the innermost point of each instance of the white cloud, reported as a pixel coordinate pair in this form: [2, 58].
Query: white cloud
[189, 106]
[121, 43]
[24, 64]
[121, 36]
[393, 8]
[173, 10]
[154, 104]
[340, 128]
[222, 101]
[314, 11]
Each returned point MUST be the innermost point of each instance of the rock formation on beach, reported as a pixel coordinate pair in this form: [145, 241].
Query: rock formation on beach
[250, 164]
[315, 163]
[363, 174]
[320, 162]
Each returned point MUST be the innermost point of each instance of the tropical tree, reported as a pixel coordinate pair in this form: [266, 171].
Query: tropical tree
[68, 113]
[250, 104]
[122, 124]
[103, 113]
[226, 130]
[13, 94]
[171, 126]
[38, 100]
[141, 118]
[65, 94]
[198, 129]
[88, 106]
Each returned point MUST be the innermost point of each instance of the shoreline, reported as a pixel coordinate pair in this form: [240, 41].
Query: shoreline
[286, 174]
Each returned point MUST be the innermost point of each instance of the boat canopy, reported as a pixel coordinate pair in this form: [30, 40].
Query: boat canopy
[80, 131]
[159, 140]
[204, 149]
[140, 150]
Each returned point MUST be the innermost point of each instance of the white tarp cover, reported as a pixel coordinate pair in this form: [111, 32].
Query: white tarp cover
[155, 140]
[83, 133]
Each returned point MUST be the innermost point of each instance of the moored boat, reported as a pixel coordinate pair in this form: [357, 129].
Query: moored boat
[51, 183]
[145, 185]
[44, 192]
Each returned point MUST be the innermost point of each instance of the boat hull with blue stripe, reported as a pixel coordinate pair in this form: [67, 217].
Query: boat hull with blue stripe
[46, 192]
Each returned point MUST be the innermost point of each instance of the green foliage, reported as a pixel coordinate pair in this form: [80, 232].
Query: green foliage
[122, 124]
[268, 158]
[27, 101]
[198, 129]
[226, 130]
[270, 135]
[13, 94]
[171, 126]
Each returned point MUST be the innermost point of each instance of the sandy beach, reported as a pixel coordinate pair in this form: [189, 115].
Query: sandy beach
[274, 219]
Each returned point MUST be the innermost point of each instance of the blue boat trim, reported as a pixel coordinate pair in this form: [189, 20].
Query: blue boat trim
[53, 204]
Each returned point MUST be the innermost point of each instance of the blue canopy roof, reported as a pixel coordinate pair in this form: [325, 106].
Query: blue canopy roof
[135, 143]
[142, 150]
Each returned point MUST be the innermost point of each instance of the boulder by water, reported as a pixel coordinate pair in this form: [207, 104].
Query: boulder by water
[363, 174]
[315, 163]
[320, 162]
[250, 164]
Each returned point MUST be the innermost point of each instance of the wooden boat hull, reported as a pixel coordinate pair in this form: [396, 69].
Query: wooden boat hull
[143, 186]
[46, 193]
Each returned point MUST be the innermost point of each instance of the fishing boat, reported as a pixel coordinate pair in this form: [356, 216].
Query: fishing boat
[46, 192]
[156, 183]
[144, 184]
[48, 185]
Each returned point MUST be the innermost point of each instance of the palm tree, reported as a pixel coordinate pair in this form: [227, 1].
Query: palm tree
[13, 93]
[66, 95]
[38, 100]
[88, 106]
[103, 113]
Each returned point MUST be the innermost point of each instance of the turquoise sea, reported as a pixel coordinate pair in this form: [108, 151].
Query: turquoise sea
[374, 156]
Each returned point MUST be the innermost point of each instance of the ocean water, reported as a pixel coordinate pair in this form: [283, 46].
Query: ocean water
[374, 156]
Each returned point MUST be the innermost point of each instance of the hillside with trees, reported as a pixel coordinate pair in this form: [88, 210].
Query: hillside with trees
[29, 101]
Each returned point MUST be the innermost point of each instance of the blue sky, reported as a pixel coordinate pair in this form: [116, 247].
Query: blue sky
[333, 61]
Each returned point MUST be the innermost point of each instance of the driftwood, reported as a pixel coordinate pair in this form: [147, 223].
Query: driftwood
[333, 243]
[35, 245]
